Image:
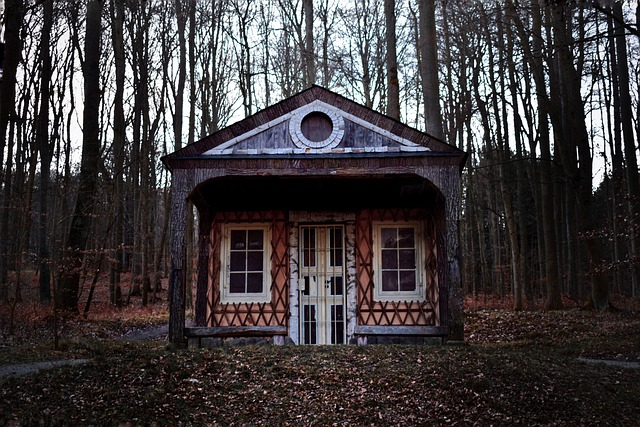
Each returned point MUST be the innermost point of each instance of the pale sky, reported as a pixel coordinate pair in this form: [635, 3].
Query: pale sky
[2, 21]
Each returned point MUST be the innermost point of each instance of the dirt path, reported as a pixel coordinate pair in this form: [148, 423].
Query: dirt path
[614, 363]
[8, 371]
[154, 332]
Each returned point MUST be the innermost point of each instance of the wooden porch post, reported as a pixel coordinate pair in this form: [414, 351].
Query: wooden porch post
[202, 284]
[447, 180]
[177, 279]
[454, 281]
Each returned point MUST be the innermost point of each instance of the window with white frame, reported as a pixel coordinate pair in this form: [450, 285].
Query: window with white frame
[399, 272]
[245, 275]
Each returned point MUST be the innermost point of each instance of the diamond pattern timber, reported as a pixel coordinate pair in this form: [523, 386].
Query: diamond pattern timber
[396, 313]
[273, 313]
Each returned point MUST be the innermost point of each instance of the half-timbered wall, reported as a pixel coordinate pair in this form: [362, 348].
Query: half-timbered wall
[396, 313]
[273, 313]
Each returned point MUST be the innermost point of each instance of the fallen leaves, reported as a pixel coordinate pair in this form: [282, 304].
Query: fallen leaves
[344, 385]
[517, 368]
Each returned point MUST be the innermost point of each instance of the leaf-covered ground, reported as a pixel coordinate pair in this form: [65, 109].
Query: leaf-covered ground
[516, 368]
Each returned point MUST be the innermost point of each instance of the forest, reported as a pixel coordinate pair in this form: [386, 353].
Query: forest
[543, 95]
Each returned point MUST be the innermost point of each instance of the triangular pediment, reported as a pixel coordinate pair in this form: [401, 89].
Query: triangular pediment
[346, 133]
[314, 122]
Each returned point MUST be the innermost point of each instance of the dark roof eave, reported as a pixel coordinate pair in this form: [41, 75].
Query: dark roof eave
[320, 156]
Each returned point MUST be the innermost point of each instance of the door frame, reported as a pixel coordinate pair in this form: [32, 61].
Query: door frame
[322, 285]
[325, 218]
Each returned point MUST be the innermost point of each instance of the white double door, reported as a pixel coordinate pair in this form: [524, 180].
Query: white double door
[322, 284]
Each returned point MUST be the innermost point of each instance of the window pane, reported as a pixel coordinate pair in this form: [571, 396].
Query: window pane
[309, 324]
[236, 283]
[254, 283]
[336, 258]
[237, 261]
[256, 240]
[389, 281]
[407, 281]
[309, 247]
[238, 240]
[254, 261]
[337, 324]
[336, 286]
[389, 238]
[335, 243]
[307, 285]
[389, 260]
[407, 259]
[406, 238]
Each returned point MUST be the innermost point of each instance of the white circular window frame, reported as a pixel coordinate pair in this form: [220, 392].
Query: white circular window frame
[300, 141]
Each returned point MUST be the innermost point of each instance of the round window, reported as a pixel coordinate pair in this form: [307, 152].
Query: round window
[319, 128]
[316, 126]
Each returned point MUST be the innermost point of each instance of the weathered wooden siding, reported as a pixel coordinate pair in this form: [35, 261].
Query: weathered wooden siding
[278, 137]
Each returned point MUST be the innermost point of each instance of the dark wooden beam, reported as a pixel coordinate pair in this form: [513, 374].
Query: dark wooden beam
[425, 331]
[236, 331]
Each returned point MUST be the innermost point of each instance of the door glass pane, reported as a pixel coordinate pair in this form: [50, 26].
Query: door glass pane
[309, 324]
[336, 246]
[337, 286]
[310, 286]
[337, 324]
[309, 247]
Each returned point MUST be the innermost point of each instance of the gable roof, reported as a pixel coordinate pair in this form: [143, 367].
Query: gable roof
[236, 139]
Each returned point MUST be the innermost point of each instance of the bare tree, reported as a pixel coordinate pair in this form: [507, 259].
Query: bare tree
[362, 60]
[89, 167]
[309, 50]
[429, 70]
[116, 10]
[45, 151]
[630, 145]
[14, 13]
[393, 85]
[574, 144]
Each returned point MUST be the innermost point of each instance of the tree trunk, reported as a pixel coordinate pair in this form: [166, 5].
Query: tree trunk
[13, 47]
[553, 299]
[502, 138]
[181, 19]
[119, 134]
[82, 217]
[575, 136]
[429, 70]
[393, 85]
[192, 69]
[45, 152]
[626, 119]
[309, 60]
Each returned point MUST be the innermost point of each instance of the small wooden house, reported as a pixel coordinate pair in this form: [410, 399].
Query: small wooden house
[320, 221]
